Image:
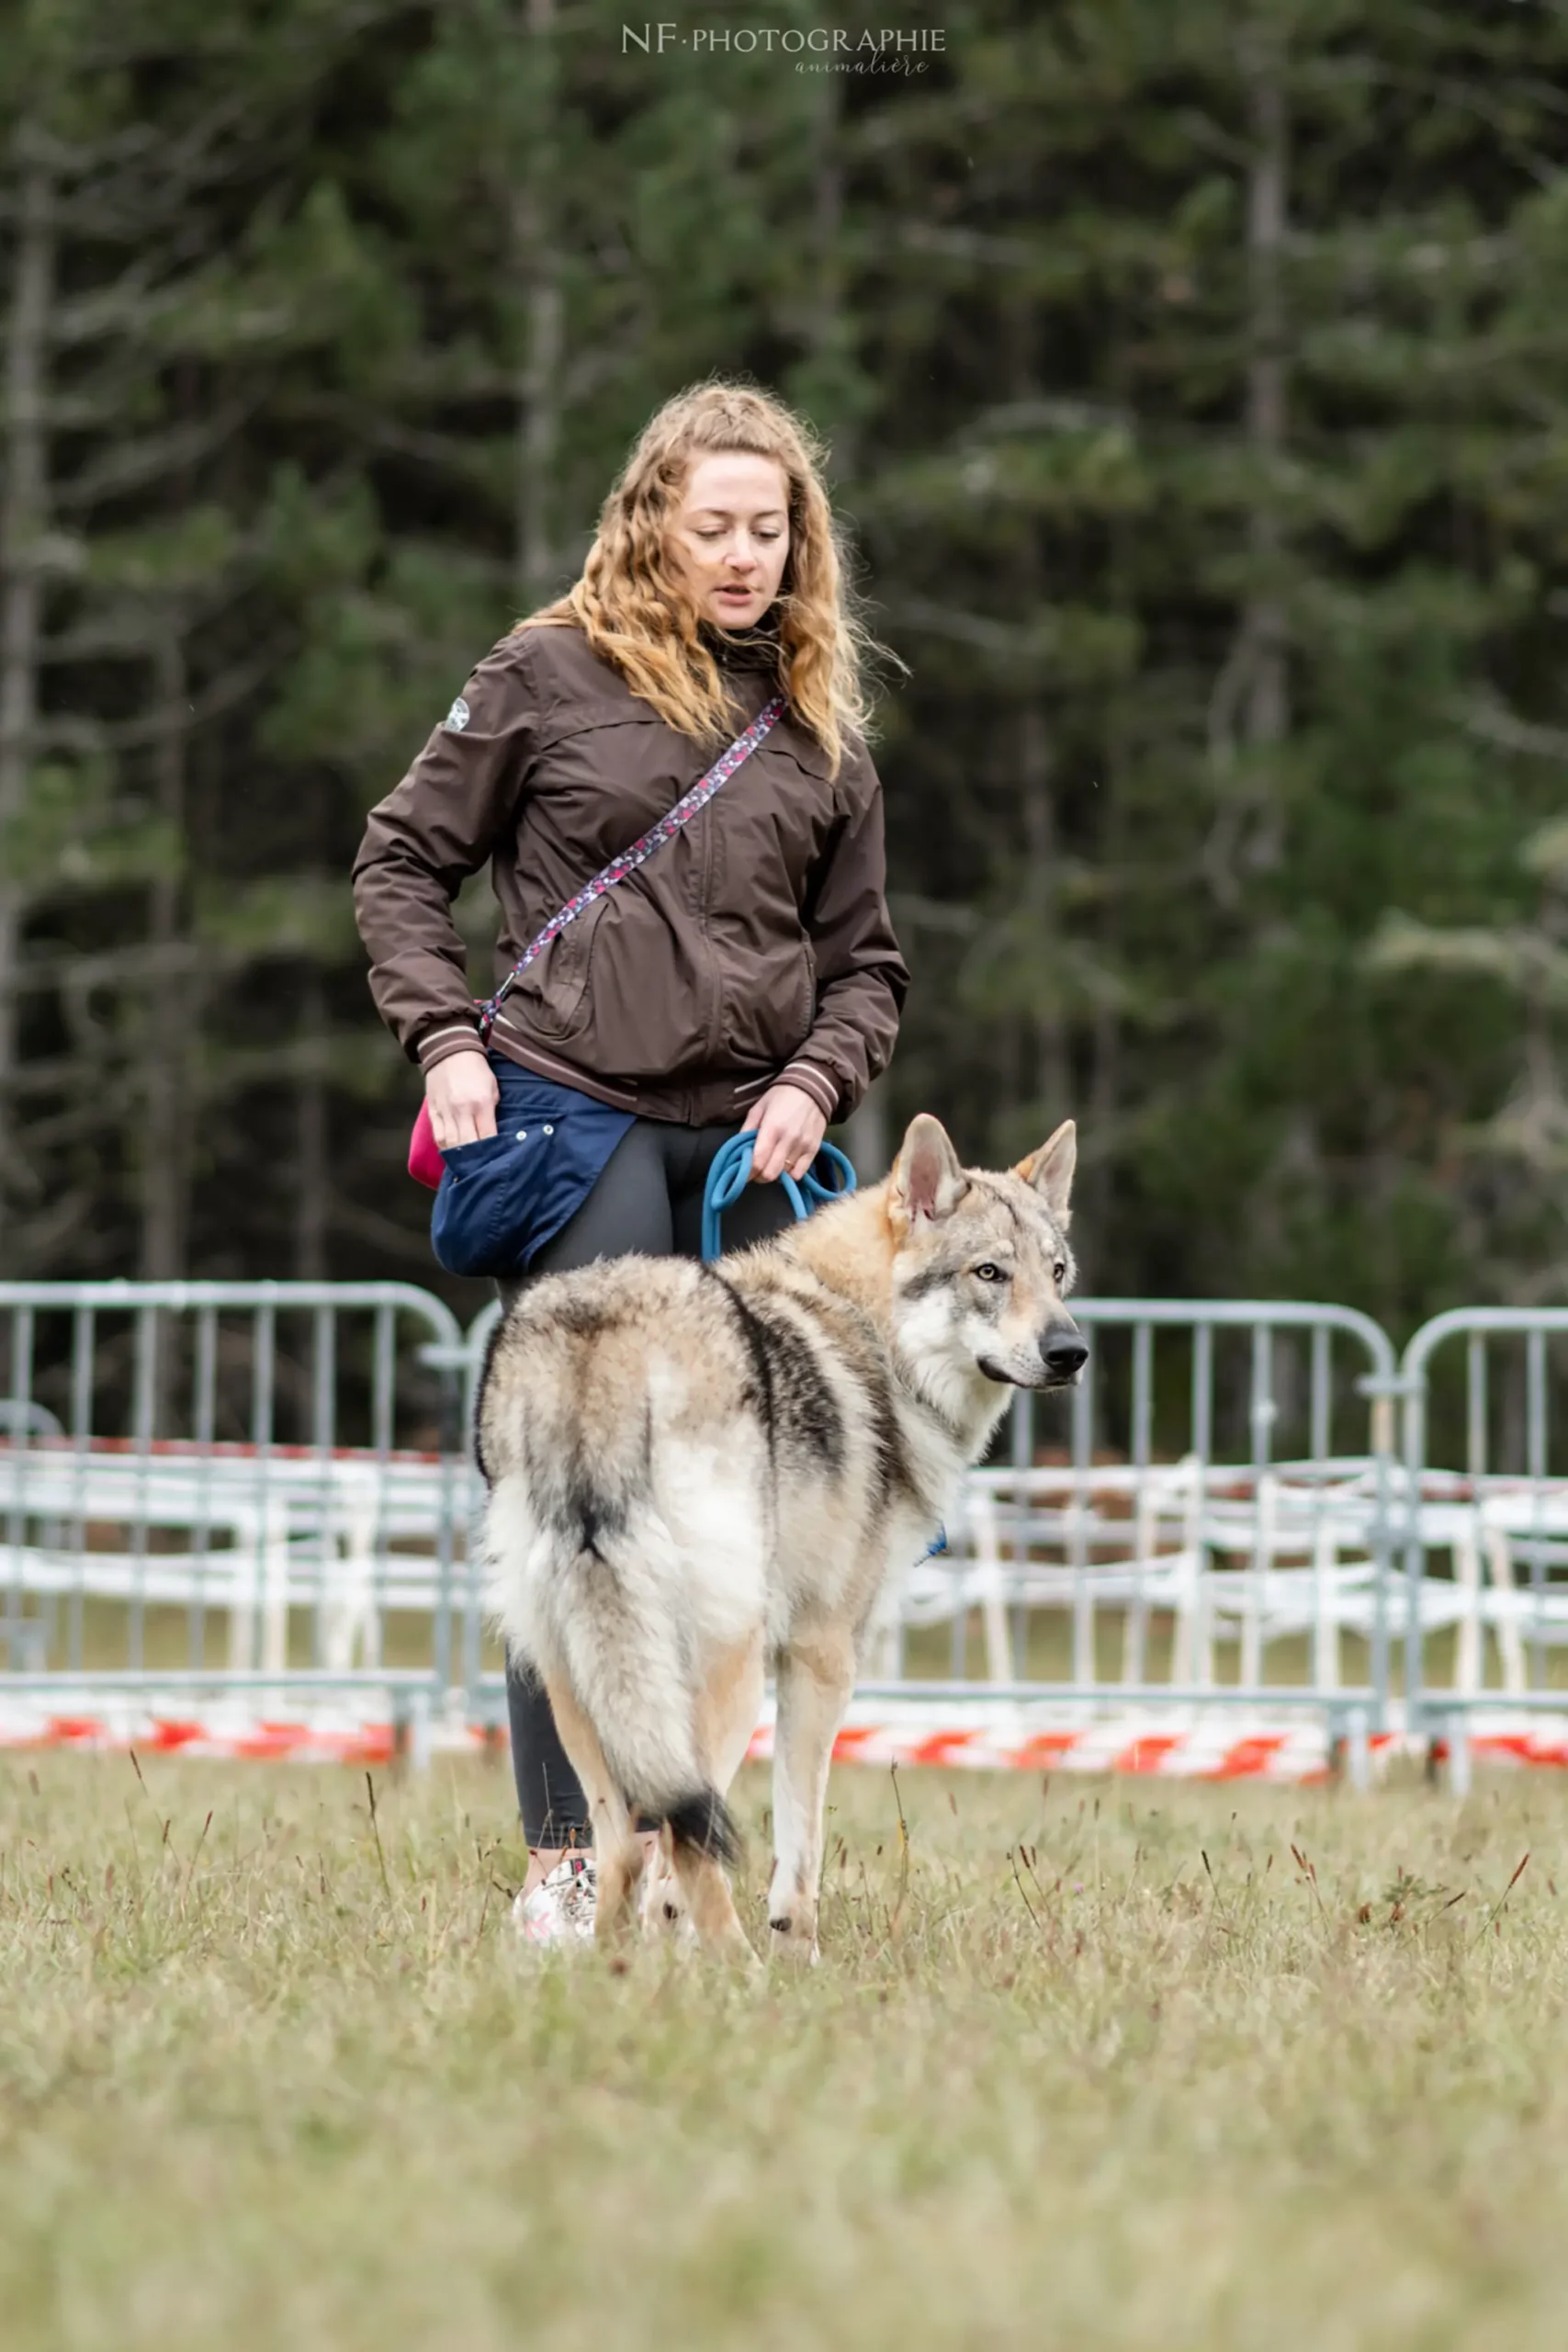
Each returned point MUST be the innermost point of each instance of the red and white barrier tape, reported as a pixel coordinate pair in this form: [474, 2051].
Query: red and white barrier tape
[114, 1724]
[1001, 1737]
[1008, 1739]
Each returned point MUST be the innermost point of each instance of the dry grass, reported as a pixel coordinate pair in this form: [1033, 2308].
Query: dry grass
[281, 2080]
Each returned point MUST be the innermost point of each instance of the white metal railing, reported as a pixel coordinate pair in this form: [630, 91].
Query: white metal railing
[1485, 1383]
[278, 1465]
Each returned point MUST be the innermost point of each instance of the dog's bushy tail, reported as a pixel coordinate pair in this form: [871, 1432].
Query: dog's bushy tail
[614, 1615]
[602, 1610]
[590, 1582]
[705, 1825]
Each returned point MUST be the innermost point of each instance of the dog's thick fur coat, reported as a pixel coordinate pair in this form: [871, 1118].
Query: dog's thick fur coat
[698, 1471]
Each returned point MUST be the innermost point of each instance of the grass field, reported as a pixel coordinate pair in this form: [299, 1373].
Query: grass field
[277, 2077]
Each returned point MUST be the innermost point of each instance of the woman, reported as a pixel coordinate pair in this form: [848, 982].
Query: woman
[745, 978]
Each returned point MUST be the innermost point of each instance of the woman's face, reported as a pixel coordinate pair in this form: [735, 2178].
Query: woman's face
[729, 539]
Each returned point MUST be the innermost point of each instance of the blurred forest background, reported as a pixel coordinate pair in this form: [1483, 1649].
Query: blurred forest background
[1197, 383]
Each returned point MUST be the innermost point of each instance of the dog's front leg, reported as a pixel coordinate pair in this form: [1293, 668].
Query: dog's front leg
[816, 1677]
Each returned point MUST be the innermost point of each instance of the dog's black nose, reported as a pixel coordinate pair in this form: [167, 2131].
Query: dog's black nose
[1064, 1356]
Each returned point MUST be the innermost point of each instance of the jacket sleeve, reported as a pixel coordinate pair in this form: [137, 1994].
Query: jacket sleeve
[457, 802]
[861, 978]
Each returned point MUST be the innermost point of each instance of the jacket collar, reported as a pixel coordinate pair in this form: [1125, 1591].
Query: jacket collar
[744, 648]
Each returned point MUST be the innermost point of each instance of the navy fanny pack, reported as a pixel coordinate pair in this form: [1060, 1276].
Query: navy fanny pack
[503, 1198]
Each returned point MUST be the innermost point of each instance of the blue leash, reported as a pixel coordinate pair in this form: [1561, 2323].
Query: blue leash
[731, 1172]
[727, 1178]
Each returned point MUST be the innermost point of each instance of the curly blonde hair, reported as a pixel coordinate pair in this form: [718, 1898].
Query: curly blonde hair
[635, 616]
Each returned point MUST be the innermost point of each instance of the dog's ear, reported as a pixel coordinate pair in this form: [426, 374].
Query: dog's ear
[1050, 1171]
[927, 1179]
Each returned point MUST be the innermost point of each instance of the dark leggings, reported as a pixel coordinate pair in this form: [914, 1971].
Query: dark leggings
[647, 1200]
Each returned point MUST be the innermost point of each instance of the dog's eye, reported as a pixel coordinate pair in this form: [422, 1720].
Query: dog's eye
[1058, 1272]
[990, 1273]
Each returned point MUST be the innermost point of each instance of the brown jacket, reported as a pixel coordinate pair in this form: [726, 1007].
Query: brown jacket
[754, 947]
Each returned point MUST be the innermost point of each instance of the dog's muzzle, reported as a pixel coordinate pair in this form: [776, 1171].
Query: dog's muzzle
[1062, 1357]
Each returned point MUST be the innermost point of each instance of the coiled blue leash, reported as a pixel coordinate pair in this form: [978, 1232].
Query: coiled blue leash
[731, 1172]
[727, 1178]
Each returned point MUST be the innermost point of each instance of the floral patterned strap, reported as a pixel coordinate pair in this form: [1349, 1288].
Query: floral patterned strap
[630, 859]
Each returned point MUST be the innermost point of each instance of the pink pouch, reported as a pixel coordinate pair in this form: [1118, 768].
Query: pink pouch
[425, 1163]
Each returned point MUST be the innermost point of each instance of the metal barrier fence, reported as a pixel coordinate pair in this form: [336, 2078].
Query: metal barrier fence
[1202, 1524]
[1479, 1384]
[260, 1494]
[1191, 1515]
[248, 1488]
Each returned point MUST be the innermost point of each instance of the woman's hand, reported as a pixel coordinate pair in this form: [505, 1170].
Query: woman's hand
[462, 1094]
[790, 1129]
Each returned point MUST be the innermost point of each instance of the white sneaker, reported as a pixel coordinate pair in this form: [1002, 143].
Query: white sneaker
[560, 1908]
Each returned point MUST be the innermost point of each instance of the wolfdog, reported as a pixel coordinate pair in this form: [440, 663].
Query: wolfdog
[696, 1471]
